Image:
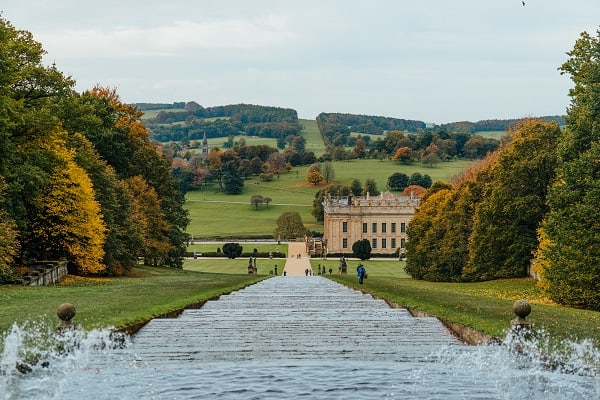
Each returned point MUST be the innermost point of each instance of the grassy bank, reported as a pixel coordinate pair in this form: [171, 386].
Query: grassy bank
[485, 306]
[117, 302]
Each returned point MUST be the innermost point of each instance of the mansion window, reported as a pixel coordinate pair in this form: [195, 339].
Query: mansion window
[383, 227]
[393, 227]
[383, 243]
[364, 227]
[374, 227]
[344, 227]
[345, 243]
[393, 243]
[374, 243]
[403, 227]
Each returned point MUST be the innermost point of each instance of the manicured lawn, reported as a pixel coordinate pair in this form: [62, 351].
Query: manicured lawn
[485, 306]
[117, 302]
[391, 268]
[246, 247]
[236, 266]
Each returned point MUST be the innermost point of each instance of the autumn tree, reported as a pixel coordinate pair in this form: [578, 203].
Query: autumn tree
[404, 155]
[506, 221]
[214, 166]
[438, 235]
[9, 244]
[413, 191]
[289, 226]
[314, 175]
[68, 221]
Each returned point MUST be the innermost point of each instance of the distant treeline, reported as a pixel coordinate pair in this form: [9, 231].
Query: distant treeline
[490, 125]
[335, 127]
[191, 121]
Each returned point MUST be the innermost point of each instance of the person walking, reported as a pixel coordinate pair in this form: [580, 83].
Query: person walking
[361, 272]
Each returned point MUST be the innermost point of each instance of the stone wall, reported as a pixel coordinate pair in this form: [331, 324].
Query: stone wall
[46, 273]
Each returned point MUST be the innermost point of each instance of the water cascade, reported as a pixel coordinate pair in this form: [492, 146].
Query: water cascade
[288, 337]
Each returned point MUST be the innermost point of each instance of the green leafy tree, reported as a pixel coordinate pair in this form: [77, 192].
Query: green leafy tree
[327, 171]
[568, 257]
[232, 179]
[289, 226]
[397, 181]
[420, 179]
[362, 249]
[371, 187]
[256, 200]
[356, 187]
[232, 250]
[514, 202]
[9, 244]
[333, 189]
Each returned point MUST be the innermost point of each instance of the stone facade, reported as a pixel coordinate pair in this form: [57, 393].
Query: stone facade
[381, 219]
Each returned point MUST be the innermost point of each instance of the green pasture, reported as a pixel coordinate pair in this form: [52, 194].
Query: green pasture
[215, 215]
[490, 134]
[117, 302]
[310, 132]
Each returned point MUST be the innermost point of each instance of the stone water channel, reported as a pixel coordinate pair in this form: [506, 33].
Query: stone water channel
[299, 337]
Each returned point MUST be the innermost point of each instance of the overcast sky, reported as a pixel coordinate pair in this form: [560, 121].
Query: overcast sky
[432, 60]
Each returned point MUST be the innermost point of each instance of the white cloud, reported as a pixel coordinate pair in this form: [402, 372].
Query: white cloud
[435, 60]
[176, 39]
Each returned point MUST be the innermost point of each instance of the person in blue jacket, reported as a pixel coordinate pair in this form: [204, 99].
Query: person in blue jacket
[361, 271]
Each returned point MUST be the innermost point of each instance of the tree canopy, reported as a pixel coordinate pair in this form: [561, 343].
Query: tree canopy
[67, 161]
[568, 258]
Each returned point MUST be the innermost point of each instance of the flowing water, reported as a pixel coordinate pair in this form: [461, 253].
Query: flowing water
[288, 337]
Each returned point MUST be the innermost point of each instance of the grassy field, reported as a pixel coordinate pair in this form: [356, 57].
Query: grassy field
[490, 134]
[485, 306]
[392, 269]
[311, 133]
[236, 266]
[214, 214]
[118, 302]
[246, 247]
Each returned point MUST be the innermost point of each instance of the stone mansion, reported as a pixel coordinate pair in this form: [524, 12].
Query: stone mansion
[380, 219]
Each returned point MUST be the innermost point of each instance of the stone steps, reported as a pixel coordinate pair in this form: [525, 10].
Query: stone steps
[292, 318]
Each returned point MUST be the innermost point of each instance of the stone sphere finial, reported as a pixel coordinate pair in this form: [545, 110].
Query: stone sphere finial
[66, 312]
[522, 309]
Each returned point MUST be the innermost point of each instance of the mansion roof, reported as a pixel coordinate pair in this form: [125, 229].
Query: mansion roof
[385, 201]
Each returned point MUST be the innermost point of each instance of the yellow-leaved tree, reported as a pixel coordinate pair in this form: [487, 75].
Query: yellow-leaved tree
[150, 219]
[68, 221]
